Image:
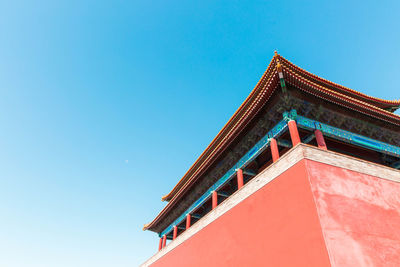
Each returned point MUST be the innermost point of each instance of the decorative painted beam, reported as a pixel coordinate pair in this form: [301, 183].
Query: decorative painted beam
[196, 216]
[275, 132]
[308, 139]
[284, 143]
[396, 165]
[261, 145]
[249, 172]
[349, 137]
[223, 194]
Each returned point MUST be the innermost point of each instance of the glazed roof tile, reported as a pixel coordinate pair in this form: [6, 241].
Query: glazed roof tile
[298, 77]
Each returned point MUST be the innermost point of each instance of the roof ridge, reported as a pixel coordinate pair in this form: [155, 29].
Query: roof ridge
[346, 96]
[394, 102]
[260, 94]
[224, 128]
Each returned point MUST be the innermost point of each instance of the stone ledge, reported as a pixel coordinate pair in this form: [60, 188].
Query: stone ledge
[293, 156]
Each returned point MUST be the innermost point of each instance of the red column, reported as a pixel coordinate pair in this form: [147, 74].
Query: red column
[188, 217]
[175, 233]
[274, 149]
[320, 139]
[239, 178]
[294, 133]
[160, 244]
[214, 199]
[164, 241]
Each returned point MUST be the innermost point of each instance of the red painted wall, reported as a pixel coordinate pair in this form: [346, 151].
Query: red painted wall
[276, 226]
[359, 214]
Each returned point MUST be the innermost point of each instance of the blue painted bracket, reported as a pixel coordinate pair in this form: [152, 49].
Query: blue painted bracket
[348, 137]
[261, 145]
[275, 132]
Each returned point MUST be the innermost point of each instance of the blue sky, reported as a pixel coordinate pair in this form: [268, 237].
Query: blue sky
[105, 105]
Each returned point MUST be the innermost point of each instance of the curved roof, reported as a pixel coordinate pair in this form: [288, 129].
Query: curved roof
[300, 78]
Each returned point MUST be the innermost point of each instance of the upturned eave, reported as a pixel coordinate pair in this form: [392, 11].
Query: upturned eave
[312, 84]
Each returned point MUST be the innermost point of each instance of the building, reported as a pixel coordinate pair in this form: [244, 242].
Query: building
[305, 173]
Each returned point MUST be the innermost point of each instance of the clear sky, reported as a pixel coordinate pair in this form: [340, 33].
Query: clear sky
[105, 105]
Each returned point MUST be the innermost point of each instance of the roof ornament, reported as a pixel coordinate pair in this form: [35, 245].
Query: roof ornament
[280, 73]
[332, 92]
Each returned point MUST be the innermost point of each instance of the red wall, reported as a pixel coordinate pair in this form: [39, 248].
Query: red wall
[306, 213]
[276, 226]
[359, 214]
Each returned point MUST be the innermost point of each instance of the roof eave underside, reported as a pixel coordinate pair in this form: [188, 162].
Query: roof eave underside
[258, 97]
[296, 76]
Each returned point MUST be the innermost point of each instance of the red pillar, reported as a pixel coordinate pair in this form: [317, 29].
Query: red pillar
[175, 232]
[160, 244]
[294, 133]
[188, 217]
[214, 199]
[274, 149]
[320, 139]
[239, 178]
[164, 241]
